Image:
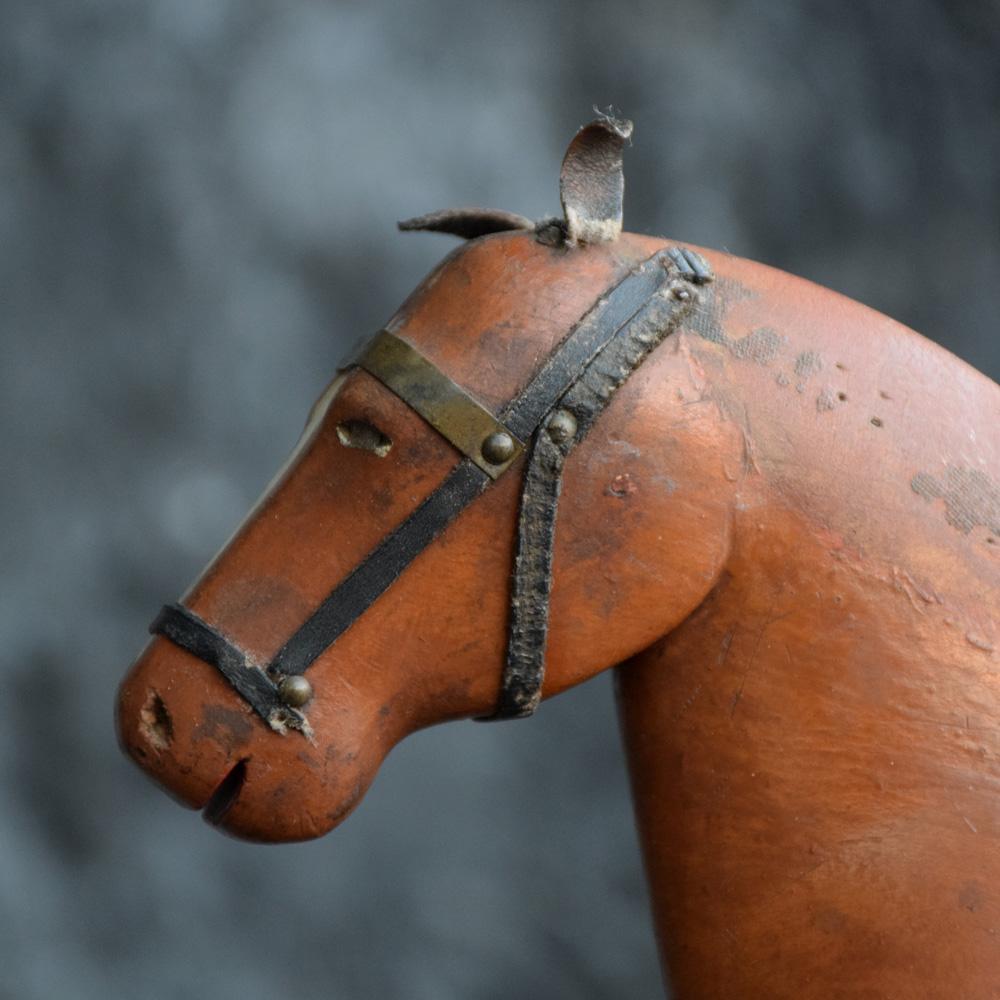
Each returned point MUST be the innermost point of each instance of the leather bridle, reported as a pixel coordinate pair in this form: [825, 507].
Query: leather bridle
[550, 416]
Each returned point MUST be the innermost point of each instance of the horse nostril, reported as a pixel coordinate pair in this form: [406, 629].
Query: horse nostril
[155, 724]
[224, 797]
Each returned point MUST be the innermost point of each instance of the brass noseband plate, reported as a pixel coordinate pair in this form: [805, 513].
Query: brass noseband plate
[448, 408]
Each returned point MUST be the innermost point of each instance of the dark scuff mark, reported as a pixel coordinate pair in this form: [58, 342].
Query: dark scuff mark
[831, 921]
[382, 498]
[229, 727]
[971, 896]
[308, 760]
[970, 497]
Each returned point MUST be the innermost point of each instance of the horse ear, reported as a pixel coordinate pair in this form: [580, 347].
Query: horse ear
[468, 223]
[592, 185]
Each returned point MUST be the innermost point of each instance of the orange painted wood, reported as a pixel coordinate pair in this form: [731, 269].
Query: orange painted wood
[784, 526]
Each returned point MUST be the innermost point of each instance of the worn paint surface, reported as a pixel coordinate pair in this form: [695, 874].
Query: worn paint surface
[764, 520]
[971, 498]
[815, 751]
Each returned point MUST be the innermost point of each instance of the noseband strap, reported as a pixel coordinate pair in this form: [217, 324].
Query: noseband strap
[185, 629]
[554, 411]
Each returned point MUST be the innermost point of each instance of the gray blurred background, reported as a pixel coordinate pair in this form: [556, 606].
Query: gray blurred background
[197, 209]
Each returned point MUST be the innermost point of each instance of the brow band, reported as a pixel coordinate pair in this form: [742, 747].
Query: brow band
[445, 405]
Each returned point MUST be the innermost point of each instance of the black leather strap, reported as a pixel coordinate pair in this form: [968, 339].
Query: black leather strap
[184, 628]
[584, 401]
[615, 308]
[370, 579]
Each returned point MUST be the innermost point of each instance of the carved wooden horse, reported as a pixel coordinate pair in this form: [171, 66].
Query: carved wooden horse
[779, 516]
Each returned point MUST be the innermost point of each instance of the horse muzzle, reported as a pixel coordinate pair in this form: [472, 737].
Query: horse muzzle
[186, 728]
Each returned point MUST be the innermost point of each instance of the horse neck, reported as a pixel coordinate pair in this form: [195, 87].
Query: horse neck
[812, 752]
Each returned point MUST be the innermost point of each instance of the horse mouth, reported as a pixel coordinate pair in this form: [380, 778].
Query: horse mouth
[226, 793]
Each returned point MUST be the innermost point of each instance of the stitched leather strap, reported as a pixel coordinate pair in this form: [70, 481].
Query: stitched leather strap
[563, 429]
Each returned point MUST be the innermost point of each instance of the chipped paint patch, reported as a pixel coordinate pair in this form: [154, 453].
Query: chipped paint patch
[707, 321]
[155, 724]
[761, 346]
[970, 497]
[621, 486]
[807, 364]
[826, 401]
[979, 642]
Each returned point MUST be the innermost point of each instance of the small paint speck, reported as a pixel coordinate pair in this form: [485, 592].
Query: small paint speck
[876, 422]
[621, 486]
[808, 363]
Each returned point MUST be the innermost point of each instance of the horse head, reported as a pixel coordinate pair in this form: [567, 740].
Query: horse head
[404, 569]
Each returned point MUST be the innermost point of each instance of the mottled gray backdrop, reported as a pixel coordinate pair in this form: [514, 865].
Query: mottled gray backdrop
[197, 209]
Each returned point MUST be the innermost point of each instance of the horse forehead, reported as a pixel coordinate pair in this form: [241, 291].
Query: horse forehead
[495, 309]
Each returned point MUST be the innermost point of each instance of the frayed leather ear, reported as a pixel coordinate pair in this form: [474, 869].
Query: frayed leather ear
[467, 223]
[592, 185]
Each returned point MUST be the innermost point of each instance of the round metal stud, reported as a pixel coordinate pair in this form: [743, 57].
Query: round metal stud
[498, 448]
[561, 426]
[682, 293]
[295, 691]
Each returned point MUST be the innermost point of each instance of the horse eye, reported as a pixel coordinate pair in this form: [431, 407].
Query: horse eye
[364, 435]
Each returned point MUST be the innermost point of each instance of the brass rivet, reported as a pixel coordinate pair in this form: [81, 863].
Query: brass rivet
[498, 448]
[561, 426]
[294, 690]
